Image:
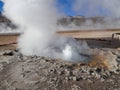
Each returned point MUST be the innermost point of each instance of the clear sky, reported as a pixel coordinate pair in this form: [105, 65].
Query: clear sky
[66, 6]
[1, 5]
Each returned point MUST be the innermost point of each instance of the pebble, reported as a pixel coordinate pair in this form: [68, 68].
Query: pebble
[118, 60]
[75, 87]
[67, 72]
[1, 67]
[67, 78]
[50, 70]
[102, 79]
[90, 81]
[97, 76]
[74, 78]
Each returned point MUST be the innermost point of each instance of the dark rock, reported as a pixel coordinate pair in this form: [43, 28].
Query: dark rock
[8, 53]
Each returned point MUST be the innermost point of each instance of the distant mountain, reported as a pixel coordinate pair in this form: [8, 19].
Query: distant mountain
[4, 19]
[73, 21]
[81, 20]
[7, 22]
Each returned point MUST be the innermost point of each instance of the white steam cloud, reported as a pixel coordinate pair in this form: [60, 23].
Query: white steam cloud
[98, 7]
[106, 12]
[4, 28]
[38, 20]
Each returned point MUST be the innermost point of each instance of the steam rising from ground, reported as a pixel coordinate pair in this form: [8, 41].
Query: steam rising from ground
[109, 9]
[38, 19]
[4, 28]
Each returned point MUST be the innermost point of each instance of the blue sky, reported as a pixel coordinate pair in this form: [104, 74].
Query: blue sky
[65, 6]
[1, 5]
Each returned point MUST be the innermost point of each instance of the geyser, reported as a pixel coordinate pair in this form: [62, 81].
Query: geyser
[37, 19]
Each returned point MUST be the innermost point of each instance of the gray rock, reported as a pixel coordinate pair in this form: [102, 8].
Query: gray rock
[75, 87]
[1, 67]
[67, 72]
[9, 53]
[118, 60]
[74, 78]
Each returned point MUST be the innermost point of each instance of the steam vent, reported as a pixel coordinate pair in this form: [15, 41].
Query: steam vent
[86, 56]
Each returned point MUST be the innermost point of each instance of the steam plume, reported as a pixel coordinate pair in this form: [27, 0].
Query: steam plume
[108, 10]
[37, 19]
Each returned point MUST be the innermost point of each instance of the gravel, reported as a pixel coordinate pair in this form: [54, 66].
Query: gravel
[19, 72]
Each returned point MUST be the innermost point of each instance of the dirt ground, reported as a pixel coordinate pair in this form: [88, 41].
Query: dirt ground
[19, 72]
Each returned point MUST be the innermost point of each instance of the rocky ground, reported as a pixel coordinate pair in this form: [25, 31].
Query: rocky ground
[19, 72]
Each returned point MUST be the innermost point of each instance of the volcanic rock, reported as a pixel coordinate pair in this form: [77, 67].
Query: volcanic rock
[39, 73]
[104, 60]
